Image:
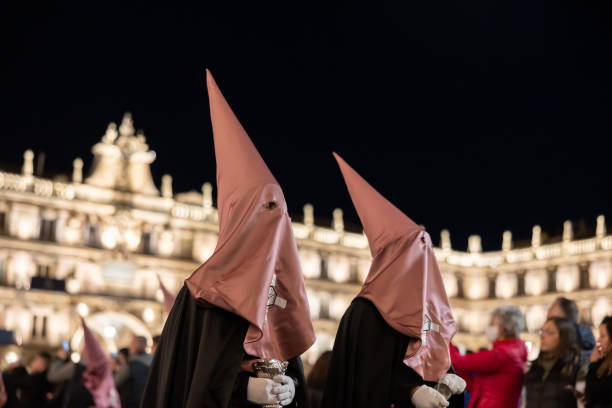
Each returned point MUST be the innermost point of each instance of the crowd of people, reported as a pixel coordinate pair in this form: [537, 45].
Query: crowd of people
[571, 370]
[58, 382]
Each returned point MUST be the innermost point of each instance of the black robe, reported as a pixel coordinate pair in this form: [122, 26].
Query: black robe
[366, 368]
[197, 361]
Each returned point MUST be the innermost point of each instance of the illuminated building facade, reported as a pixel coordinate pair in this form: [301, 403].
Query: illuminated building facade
[94, 247]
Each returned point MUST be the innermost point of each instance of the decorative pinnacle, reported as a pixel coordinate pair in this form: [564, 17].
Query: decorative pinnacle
[536, 236]
[507, 241]
[445, 241]
[166, 186]
[127, 125]
[308, 215]
[338, 222]
[77, 170]
[28, 163]
[207, 201]
[568, 233]
[600, 231]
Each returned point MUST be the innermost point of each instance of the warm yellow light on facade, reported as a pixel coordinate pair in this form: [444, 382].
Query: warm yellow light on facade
[204, 246]
[311, 263]
[601, 308]
[314, 302]
[132, 239]
[506, 285]
[83, 309]
[536, 282]
[75, 357]
[337, 306]
[73, 286]
[339, 268]
[600, 273]
[475, 287]
[148, 315]
[535, 317]
[110, 332]
[166, 243]
[568, 278]
[450, 284]
[27, 227]
[475, 321]
[73, 232]
[110, 236]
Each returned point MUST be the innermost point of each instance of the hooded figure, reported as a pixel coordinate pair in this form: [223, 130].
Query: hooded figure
[394, 337]
[168, 298]
[98, 378]
[246, 301]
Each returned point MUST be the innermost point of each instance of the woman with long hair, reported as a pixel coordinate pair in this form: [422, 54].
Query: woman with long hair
[599, 378]
[550, 380]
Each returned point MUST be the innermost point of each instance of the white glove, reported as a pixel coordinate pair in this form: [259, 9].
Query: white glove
[454, 382]
[427, 397]
[284, 389]
[259, 391]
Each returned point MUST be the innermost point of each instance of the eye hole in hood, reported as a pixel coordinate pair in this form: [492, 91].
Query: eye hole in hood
[270, 205]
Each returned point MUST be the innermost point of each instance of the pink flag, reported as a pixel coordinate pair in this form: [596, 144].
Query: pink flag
[168, 297]
[98, 377]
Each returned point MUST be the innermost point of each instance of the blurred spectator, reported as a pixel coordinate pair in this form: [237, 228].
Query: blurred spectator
[317, 378]
[120, 359]
[568, 309]
[131, 378]
[497, 373]
[155, 343]
[598, 391]
[68, 377]
[28, 388]
[551, 379]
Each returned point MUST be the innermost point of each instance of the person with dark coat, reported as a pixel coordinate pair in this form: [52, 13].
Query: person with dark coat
[568, 309]
[598, 391]
[70, 392]
[391, 348]
[551, 378]
[74, 393]
[132, 375]
[29, 388]
[246, 302]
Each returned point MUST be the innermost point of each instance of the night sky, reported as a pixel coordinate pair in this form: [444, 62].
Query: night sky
[477, 116]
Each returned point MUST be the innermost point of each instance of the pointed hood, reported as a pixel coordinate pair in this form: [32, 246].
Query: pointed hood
[239, 165]
[382, 221]
[98, 378]
[254, 271]
[404, 281]
[168, 297]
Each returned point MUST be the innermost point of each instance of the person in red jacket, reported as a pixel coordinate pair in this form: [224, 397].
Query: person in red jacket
[497, 374]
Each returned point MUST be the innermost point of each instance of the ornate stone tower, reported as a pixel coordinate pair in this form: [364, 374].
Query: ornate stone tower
[122, 160]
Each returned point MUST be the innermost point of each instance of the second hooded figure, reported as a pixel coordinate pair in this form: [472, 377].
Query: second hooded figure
[391, 348]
